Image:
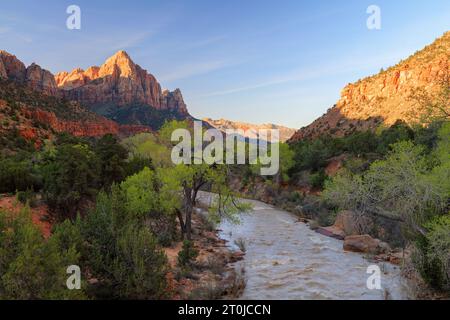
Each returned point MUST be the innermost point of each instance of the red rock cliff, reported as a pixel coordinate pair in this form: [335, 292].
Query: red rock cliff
[387, 96]
[119, 81]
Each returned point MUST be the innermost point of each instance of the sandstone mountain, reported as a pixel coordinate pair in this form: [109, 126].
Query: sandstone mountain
[128, 96]
[222, 124]
[388, 96]
[123, 91]
[37, 78]
[31, 107]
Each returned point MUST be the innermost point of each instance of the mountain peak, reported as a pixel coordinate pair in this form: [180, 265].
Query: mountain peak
[119, 56]
[120, 64]
[118, 82]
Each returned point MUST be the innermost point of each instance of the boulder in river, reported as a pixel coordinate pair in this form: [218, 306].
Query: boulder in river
[365, 244]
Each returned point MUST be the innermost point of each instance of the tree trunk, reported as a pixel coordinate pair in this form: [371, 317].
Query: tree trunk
[188, 223]
[182, 224]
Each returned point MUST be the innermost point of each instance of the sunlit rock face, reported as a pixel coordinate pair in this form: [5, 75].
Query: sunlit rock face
[387, 96]
[118, 82]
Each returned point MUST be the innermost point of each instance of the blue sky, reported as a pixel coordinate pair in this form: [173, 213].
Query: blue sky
[258, 61]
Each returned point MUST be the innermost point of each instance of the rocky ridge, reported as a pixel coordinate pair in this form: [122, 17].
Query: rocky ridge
[387, 96]
[119, 82]
[223, 125]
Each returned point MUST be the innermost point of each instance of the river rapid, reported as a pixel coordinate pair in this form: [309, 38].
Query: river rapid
[285, 259]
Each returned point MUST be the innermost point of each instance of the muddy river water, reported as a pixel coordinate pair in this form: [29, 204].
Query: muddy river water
[285, 259]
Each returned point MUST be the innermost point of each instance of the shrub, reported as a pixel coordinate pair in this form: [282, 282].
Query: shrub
[139, 267]
[317, 180]
[187, 255]
[434, 253]
[27, 196]
[32, 267]
[16, 175]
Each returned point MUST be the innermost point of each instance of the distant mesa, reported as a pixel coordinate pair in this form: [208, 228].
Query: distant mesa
[223, 124]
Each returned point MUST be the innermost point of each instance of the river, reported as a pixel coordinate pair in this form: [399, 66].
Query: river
[285, 259]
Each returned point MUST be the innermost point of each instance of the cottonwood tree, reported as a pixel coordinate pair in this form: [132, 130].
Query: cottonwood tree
[401, 188]
[181, 184]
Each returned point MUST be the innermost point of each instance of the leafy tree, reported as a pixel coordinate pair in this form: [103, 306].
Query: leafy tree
[396, 133]
[32, 267]
[69, 176]
[17, 174]
[286, 162]
[140, 193]
[148, 146]
[185, 182]
[170, 126]
[396, 188]
[112, 158]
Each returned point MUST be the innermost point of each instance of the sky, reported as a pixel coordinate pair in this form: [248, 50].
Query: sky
[257, 61]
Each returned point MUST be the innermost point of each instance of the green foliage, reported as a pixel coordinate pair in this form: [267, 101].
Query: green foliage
[148, 146]
[140, 193]
[397, 187]
[17, 174]
[70, 176]
[139, 267]
[136, 164]
[187, 254]
[396, 133]
[118, 249]
[169, 127]
[411, 186]
[317, 180]
[32, 268]
[433, 258]
[74, 170]
[112, 158]
[27, 197]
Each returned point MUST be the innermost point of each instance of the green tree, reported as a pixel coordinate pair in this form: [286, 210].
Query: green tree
[148, 146]
[118, 249]
[32, 267]
[112, 157]
[70, 175]
[139, 267]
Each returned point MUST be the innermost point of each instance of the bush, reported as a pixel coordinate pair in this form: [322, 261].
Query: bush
[70, 175]
[187, 255]
[118, 250]
[32, 267]
[27, 197]
[317, 180]
[139, 267]
[16, 175]
[434, 253]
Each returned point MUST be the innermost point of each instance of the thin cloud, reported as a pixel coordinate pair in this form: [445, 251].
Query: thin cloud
[308, 74]
[133, 41]
[4, 30]
[195, 69]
